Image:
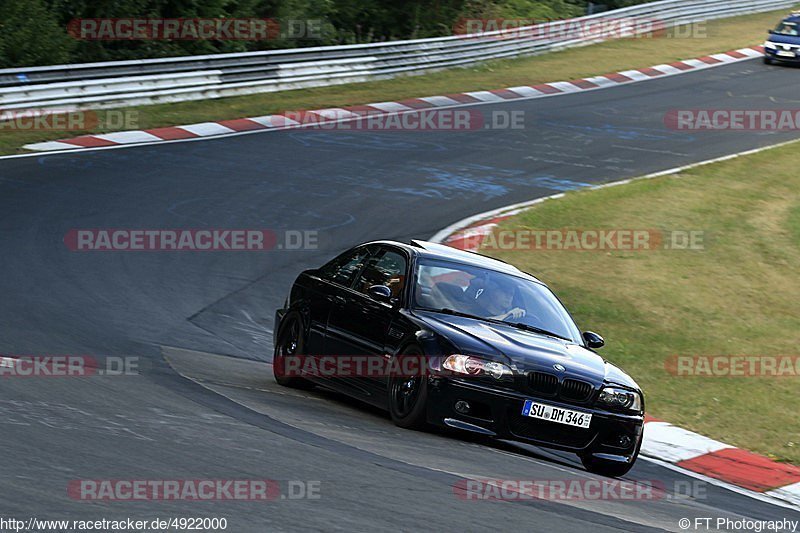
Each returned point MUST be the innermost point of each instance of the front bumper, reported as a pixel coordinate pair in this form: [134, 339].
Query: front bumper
[497, 412]
[773, 55]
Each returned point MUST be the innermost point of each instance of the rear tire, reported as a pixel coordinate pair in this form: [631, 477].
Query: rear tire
[408, 398]
[290, 342]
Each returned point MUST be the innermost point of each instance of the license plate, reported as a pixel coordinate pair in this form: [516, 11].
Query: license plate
[784, 53]
[556, 414]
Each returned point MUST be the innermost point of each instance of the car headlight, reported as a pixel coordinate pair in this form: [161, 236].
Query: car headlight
[617, 398]
[469, 365]
[770, 45]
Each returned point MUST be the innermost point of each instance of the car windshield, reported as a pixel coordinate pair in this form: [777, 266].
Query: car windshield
[443, 285]
[788, 28]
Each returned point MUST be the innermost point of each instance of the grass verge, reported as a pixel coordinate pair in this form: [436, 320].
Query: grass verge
[707, 38]
[737, 296]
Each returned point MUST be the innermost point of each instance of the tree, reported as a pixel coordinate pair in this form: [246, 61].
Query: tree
[30, 34]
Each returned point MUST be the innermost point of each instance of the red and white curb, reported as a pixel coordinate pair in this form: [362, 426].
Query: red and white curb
[344, 114]
[696, 453]
[684, 450]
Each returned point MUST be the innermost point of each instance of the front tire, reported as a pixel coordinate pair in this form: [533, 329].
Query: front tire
[408, 398]
[767, 61]
[290, 343]
[606, 468]
[610, 468]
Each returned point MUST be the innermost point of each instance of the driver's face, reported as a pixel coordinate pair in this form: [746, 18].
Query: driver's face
[501, 298]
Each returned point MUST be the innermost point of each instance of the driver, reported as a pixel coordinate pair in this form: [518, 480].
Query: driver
[496, 300]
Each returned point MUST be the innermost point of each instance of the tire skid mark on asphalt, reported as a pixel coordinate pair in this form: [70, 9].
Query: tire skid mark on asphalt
[355, 439]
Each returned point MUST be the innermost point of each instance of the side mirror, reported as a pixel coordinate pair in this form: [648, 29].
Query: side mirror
[593, 340]
[771, 32]
[381, 293]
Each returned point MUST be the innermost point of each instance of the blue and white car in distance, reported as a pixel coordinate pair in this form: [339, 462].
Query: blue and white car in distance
[783, 43]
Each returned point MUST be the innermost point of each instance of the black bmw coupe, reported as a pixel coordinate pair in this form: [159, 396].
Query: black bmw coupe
[439, 336]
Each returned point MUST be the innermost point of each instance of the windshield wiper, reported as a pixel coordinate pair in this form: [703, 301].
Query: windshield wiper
[518, 325]
[534, 329]
[448, 311]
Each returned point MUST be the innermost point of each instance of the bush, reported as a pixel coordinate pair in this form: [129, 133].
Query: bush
[31, 34]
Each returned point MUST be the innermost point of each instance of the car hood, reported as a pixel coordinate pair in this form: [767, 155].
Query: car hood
[525, 351]
[783, 39]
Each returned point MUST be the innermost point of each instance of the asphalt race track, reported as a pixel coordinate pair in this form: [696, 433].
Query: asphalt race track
[204, 404]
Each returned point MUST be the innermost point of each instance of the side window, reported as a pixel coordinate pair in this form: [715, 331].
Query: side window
[385, 268]
[344, 268]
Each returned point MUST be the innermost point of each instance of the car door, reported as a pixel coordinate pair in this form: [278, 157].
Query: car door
[362, 326]
[327, 286]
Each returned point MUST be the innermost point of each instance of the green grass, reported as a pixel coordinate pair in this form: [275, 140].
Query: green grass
[737, 296]
[715, 36]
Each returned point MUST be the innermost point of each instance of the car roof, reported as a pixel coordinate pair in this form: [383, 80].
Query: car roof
[794, 17]
[443, 252]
